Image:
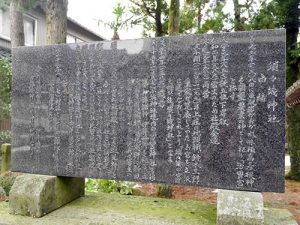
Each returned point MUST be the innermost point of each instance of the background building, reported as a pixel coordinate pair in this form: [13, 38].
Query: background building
[35, 30]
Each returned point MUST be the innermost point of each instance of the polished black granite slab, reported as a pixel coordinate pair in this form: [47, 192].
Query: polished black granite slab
[195, 110]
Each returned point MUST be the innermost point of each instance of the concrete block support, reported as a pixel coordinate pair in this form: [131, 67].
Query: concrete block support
[37, 195]
[240, 208]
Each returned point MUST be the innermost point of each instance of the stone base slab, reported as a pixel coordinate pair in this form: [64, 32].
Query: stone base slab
[239, 208]
[37, 195]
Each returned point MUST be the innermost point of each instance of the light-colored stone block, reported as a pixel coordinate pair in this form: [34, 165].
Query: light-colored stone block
[37, 195]
[240, 208]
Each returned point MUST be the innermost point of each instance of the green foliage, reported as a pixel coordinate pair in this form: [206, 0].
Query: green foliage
[5, 110]
[5, 137]
[188, 22]
[215, 19]
[195, 16]
[295, 53]
[267, 17]
[282, 14]
[150, 14]
[202, 16]
[192, 15]
[7, 180]
[4, 5]
[109, 186]
[164, 191]
[5, 87]
[289, 13]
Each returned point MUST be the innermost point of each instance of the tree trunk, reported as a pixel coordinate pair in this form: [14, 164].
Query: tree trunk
[292, 29]
[174, 18]
[238, 24]
[199, 17]
[16, 24]
[56, 17]
[293, 136]
[293, 114]
[158, 24]
[115, 36]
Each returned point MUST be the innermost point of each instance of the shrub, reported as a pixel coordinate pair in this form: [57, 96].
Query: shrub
[109, 186]
[7, 180]
[5, 137]
[164, 191]
[5, 87]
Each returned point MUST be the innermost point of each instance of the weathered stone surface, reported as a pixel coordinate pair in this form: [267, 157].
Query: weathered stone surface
[197, 110]
[6, 158]
[240, 208]
[37, 195]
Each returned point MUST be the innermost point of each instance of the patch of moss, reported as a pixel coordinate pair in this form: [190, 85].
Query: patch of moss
[7, 180]
[117, 209]
[176, 211]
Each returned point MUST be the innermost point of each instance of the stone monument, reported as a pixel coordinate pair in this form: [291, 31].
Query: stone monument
[194, 110]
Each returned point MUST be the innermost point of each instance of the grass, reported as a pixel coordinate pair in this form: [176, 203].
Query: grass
[292, 183]
[103, 208]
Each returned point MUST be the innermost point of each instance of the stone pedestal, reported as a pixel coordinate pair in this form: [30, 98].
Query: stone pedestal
[37, 195]
[240, 208]
[6, 157]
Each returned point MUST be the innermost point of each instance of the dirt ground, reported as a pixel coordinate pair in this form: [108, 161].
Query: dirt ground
[289, 200]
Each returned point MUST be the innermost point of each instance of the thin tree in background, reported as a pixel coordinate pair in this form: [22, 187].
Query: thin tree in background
[174, 17]
[119, 22]
[56, 18]
[238, 21]
[158, 23]
[199, 5]
[17, 36]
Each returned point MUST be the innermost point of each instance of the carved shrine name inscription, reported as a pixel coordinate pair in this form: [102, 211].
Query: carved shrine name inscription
[195, 110]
